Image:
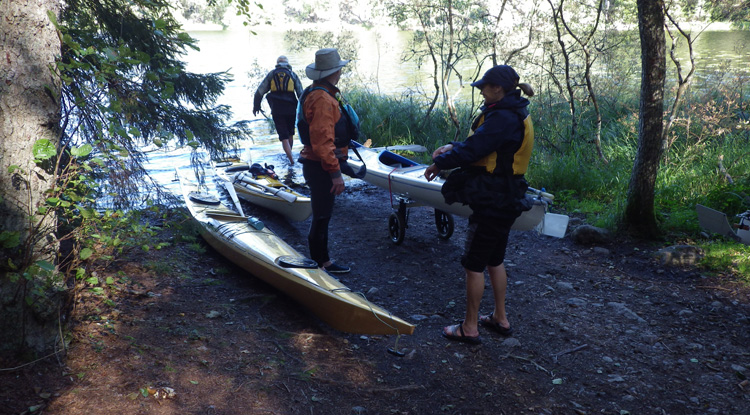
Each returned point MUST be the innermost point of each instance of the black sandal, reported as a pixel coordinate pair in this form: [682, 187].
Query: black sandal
[462, 337]
[488, 322]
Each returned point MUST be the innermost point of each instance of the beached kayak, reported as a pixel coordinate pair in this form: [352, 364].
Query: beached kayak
[262, 188]
[261, 252]
[404, 179]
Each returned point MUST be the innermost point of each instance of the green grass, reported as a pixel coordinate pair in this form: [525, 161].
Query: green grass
[708, 132]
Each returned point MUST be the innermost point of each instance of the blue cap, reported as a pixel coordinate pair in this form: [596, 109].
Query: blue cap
[502, 75]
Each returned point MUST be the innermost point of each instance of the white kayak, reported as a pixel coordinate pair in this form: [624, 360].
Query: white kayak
[261, 252]
[264, 190]
[404, 179]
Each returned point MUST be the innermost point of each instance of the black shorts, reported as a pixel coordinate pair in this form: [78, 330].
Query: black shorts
[284, 125]
[486, 241]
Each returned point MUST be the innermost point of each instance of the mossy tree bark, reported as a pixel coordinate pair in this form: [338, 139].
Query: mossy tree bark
[29, 111]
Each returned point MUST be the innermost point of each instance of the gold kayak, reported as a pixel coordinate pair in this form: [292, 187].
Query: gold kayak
[265, 255]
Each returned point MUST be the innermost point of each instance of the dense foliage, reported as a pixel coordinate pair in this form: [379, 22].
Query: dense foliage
[126, 90]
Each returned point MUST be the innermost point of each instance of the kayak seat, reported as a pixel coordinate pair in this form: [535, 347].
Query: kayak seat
[396, 161]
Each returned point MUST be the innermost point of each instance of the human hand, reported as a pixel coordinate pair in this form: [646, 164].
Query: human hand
[444, 149]
[338, 186]
[431, 172]
[256, 111]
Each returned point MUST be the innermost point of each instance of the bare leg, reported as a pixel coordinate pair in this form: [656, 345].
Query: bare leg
[287, 145]
[474, 291]
[499, 280]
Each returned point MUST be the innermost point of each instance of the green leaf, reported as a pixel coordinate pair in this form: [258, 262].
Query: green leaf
[110, 280]
[13, 167]
[82, 151]
[92, 280]
[86, 253]
[44, 149]
[10, 239]
[45, 265]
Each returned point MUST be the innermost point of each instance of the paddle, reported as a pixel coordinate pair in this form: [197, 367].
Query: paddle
[543, 194]
[280, 193]
[416, 148]
[405, 147]
[230, 188]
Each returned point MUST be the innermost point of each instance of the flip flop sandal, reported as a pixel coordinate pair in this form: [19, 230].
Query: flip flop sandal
[486, 321]
[462, 337]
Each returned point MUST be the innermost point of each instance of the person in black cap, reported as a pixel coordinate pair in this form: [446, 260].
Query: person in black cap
[283, 88]
[492, 162]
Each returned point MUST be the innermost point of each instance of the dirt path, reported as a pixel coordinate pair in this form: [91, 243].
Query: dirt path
[597, 330]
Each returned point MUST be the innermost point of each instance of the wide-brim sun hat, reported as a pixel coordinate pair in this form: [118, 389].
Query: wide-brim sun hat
[327, 61]
[502, 75]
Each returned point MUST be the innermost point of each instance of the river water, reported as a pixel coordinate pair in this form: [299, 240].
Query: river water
[248, 57]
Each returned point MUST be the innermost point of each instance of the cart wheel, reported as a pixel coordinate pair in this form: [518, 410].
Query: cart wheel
[444, 224]
[397, 227]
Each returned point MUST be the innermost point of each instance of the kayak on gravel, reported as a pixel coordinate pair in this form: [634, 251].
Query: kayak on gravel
[260, 186]
[249, 244]
[404, 179]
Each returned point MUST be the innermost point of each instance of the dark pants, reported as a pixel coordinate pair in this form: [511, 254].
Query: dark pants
[321, 200]
[486, 241]
[284, 125]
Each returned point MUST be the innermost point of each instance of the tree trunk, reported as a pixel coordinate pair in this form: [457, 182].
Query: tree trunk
[29, 111]
[639, 217]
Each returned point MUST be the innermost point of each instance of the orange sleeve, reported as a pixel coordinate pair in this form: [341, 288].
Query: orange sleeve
[322, 114]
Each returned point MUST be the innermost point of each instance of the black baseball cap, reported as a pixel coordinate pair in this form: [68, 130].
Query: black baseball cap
[502, 75]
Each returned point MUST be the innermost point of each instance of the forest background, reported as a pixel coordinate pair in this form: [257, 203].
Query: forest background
[111, 93]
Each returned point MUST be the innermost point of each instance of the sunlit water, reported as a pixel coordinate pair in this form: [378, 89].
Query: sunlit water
[247, 57]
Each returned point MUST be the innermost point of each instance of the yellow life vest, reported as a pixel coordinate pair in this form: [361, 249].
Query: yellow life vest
[522, 155]
[282, 81]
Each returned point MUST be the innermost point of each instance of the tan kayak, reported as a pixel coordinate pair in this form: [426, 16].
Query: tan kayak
[265, 255]
[264, 190]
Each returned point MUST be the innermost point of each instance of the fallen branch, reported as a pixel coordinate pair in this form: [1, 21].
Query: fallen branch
[564, 352]
[538, 366]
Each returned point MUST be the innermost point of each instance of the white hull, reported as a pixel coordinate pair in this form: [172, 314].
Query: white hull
[405, 178]
[262, 191]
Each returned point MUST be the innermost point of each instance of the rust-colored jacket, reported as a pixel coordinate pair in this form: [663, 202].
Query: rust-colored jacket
[322, 113]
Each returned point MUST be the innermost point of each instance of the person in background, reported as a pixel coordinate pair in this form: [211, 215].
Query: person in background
[283, 88]
[325, 132]
[492, 162]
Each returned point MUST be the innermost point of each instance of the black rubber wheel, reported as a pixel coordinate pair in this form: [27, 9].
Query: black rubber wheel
[444, 224]
[397, 227]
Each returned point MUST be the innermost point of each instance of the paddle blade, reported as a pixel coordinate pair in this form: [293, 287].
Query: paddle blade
[286, 196]
[230, 188]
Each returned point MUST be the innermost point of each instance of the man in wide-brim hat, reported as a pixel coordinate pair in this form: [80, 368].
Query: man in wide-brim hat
[323, 131]
[327, 62]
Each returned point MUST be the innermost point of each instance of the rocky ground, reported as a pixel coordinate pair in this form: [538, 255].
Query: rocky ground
[599, 329]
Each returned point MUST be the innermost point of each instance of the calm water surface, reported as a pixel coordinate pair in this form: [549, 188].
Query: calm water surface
[247, 57]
